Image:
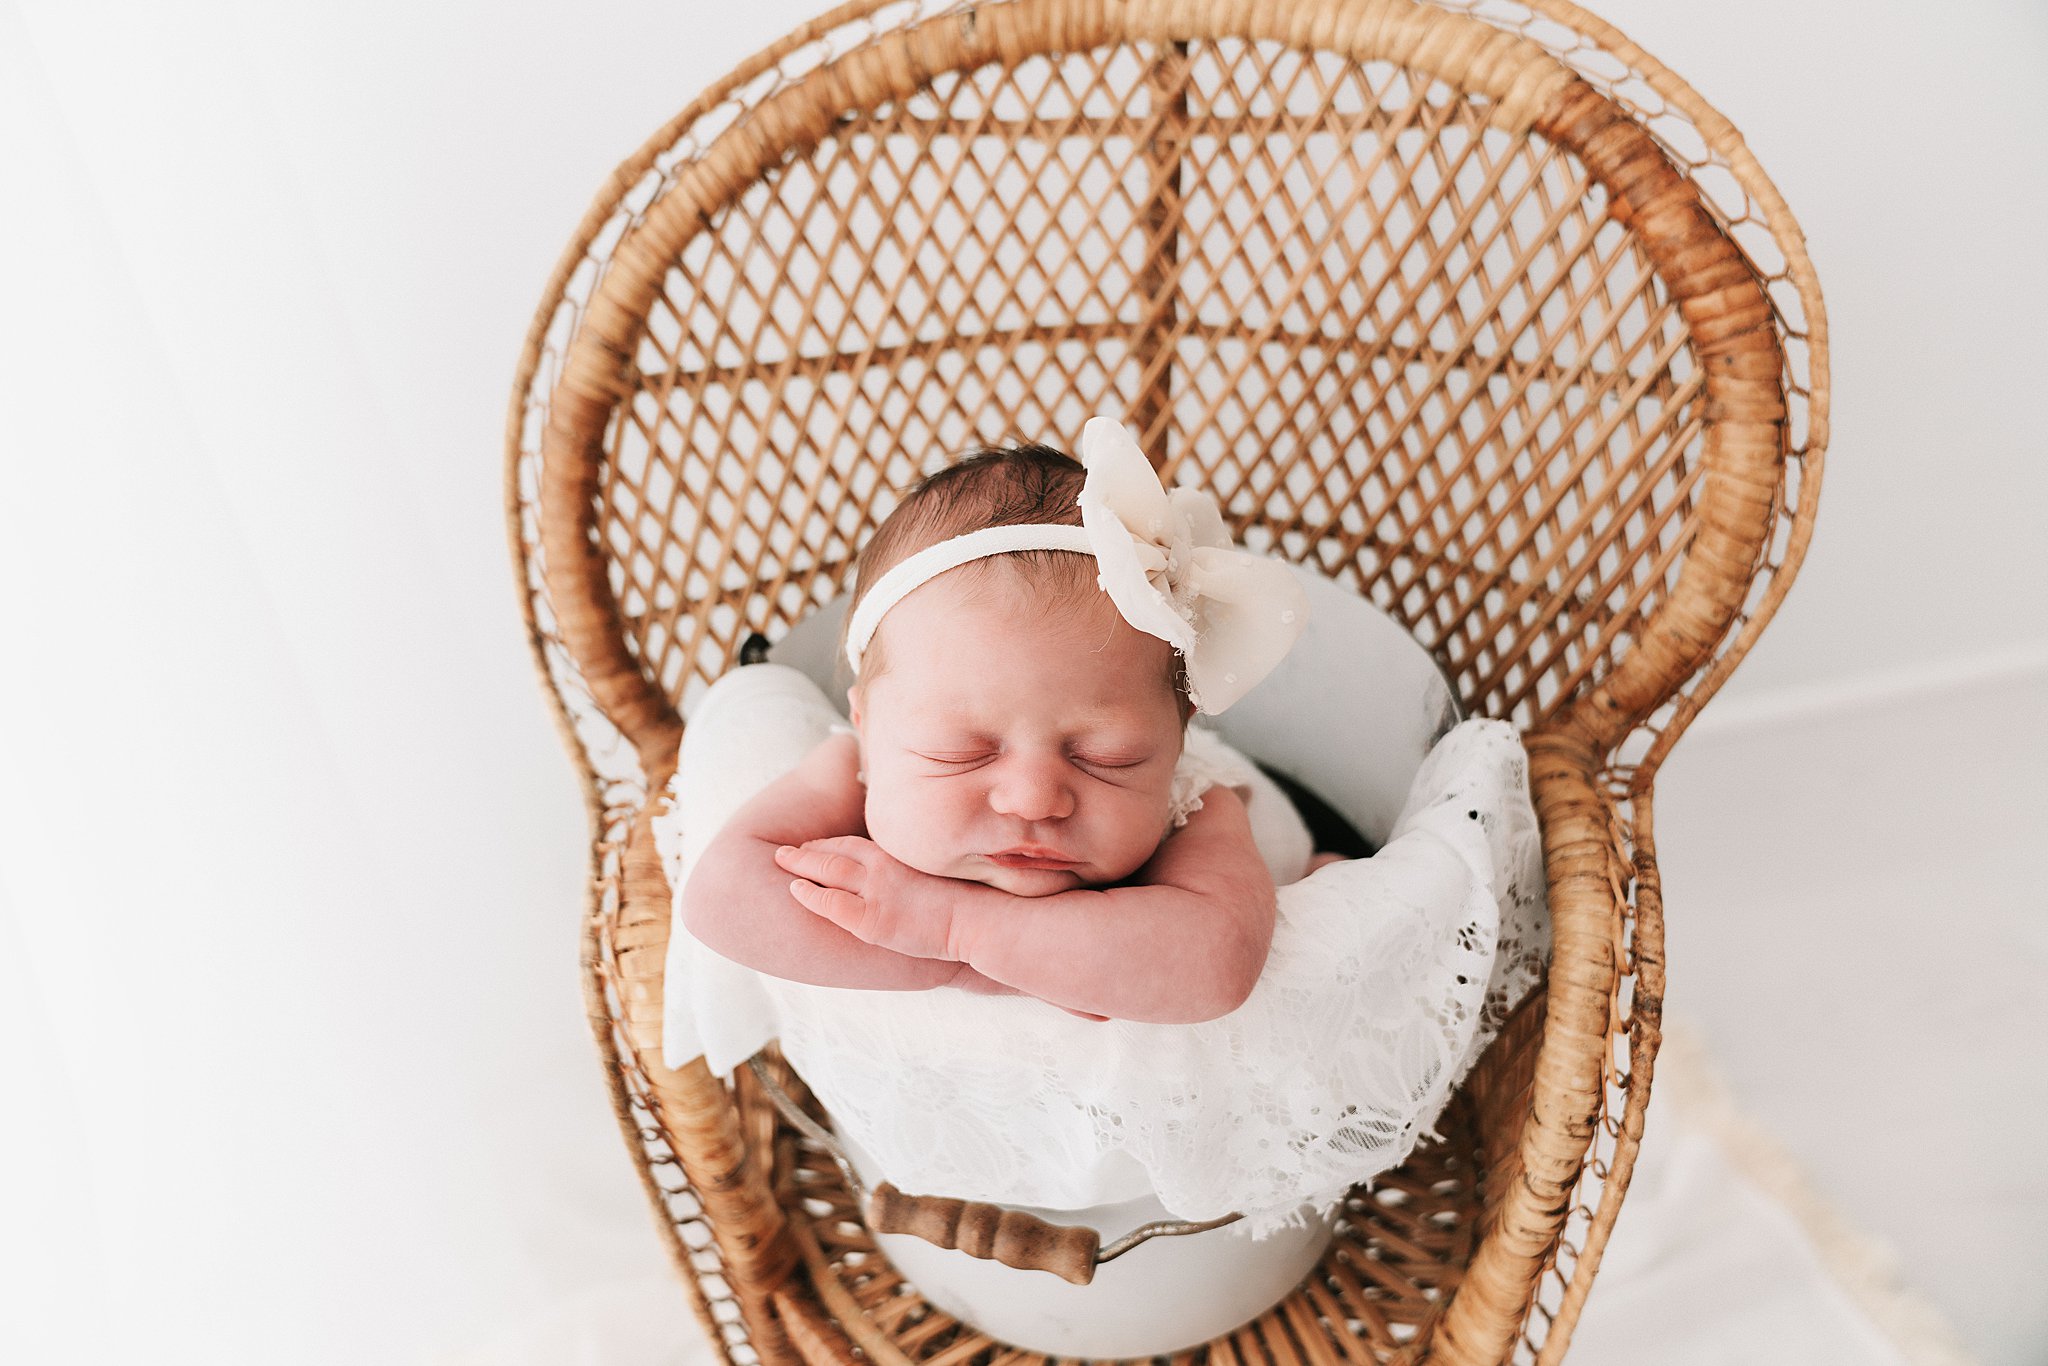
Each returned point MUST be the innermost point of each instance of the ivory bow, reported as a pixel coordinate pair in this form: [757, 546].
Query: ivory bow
[1167, 562]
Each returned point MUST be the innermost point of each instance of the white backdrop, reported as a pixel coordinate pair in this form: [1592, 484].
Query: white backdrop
[290, 854]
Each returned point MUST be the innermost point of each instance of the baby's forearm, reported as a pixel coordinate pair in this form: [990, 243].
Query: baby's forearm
[1160, 954]
[737, 904]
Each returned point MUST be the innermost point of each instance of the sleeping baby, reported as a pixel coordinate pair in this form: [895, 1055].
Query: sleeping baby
[1020, 805]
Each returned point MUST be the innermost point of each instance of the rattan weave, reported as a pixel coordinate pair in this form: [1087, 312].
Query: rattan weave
[1471, 306]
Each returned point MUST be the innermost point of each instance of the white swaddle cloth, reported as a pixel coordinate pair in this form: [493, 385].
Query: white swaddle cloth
[1386, 978]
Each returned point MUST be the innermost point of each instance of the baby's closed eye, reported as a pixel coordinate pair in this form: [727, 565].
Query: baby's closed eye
[966, 763]
[1099, 758]
[961, 758]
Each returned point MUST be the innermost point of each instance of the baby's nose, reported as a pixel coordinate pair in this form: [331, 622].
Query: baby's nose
[1032, 789]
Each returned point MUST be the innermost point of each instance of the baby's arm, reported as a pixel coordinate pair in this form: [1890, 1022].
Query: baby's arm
[1184, 940]
[737, 901]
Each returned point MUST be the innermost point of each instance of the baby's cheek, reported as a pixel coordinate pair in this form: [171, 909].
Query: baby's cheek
[906, 833]
[1139, 839]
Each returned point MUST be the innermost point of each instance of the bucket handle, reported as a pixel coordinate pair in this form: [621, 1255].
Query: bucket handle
[989, 1232]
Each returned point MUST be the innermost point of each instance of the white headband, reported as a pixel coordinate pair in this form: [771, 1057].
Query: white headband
[1165, 559]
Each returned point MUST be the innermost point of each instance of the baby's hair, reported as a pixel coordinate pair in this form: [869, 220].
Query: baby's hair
[996, 486]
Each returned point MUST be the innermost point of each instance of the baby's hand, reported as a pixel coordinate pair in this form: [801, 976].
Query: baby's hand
[858, 886]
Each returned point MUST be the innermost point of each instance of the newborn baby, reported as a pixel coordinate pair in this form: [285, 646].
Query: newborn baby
[1022, 808]
[1017, 806]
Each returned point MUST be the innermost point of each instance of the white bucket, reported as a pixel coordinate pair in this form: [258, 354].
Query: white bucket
[1164, 1295]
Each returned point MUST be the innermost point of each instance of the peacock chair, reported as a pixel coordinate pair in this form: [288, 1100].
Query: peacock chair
[1470, 306]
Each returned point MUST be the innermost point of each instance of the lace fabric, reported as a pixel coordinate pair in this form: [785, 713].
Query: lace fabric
[1387, 977]
[1206, 762]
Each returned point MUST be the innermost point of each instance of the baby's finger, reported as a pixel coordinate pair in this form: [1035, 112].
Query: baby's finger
[822, 866]
[843, 909]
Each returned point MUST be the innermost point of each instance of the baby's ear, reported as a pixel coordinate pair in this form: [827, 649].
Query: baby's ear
[853, 706]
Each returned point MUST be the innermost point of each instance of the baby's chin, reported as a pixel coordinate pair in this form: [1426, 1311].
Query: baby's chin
[1023, 881]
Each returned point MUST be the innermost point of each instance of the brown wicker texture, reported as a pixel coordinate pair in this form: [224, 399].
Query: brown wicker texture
[1473, 307]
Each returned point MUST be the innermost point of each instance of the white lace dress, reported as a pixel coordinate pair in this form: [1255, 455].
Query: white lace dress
[1386, 977]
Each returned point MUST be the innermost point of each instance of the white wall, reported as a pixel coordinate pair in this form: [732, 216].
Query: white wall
[1909, 141]
[291, 852]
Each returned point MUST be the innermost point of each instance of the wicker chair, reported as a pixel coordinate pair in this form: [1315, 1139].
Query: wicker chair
[1473, 307]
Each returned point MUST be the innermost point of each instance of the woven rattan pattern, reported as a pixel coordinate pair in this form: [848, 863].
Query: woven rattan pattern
[1499, 441]
[1450, 331]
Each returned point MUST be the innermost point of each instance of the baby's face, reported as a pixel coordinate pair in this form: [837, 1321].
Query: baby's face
[994, 729]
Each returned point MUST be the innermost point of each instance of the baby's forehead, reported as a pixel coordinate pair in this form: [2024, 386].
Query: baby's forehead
[965, 689]
[1123, 715]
